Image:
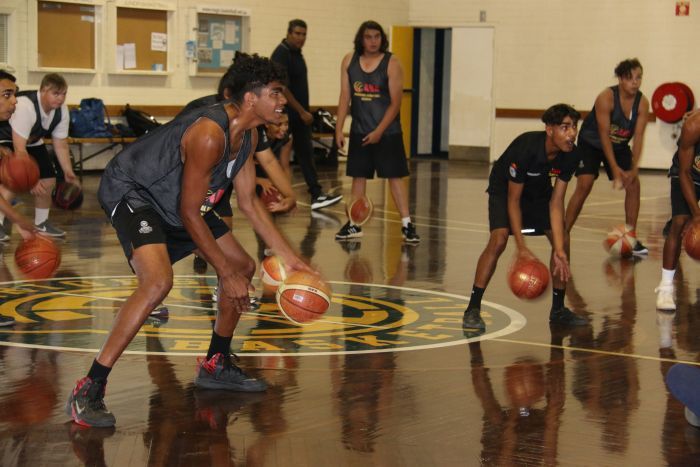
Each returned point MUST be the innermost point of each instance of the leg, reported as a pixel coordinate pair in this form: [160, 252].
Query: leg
[400, 195]
[560, 314]
[584, 184]
[632, 195]
[672, 251]
[303, 154]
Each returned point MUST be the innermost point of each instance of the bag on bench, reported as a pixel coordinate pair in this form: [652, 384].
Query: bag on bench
[139, 121]
[88, 121]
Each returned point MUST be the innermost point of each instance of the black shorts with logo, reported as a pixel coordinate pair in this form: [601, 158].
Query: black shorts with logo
[387, 158]
[535, 214]
[146, 227]
[679, 207]
[591, 157]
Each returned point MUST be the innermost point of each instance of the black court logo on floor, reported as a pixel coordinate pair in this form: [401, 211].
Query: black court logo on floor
[77, 314]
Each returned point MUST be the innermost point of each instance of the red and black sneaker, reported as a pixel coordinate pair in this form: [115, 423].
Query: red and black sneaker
[86, 404]
[219, 372]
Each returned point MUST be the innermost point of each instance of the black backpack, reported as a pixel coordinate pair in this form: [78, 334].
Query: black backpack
[139, 121]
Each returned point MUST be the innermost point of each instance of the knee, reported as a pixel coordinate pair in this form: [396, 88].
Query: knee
[498, 242]
[584, 184]
[158, 287]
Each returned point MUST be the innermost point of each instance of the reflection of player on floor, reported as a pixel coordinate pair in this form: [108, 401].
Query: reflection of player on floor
[159, 193]
[685, 192]
[8, 102]
[521, 196]
[372, 80]
[619, 114]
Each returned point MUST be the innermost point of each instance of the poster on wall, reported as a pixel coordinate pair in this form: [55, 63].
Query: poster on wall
[218, 39]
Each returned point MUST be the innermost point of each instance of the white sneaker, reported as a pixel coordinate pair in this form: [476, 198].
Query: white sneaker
[664, 298]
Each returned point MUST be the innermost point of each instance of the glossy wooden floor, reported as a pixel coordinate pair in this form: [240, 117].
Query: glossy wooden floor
[389, 379]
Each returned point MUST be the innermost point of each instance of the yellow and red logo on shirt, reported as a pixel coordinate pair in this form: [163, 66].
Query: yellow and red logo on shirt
[211, 200]
[513, 169]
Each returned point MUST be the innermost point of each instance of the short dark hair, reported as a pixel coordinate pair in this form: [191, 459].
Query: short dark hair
[359, 46]
[556, 114]
[249, 73]
[55, 81]
[296, 23]
[4, 74]
[625, 67]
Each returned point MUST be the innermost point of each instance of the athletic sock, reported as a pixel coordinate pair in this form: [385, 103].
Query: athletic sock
[558, 298]
[219, 344]
[98, 371]
[475, 299]
[405, 221]
[41, 215]
[667, 276]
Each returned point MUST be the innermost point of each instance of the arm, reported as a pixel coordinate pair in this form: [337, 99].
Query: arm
[279, 179]
[395, 73]
[638, 140]
[292, 101]
[604, 106]
[690, 135]
[556, 218]
[285, 159]
[343, 101]
[62, 150]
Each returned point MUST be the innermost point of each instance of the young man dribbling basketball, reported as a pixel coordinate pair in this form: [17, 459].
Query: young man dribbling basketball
[159, 193]
[685, 192]
[521, 196]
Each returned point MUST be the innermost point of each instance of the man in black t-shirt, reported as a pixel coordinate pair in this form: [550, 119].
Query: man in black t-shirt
[522, 200]
[288, 54]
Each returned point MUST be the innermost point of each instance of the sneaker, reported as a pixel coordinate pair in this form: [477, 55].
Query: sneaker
[322, 219]
[6, 320]
[199, 265]
[323, 200]
[160, 312]
[4, 236]
[566, 317]
[219, 372]
[409, 233]
[639, 249]
[351, 246]
[349, 231]
[86, 404]
[49, 229]
[664, 298]
[472, 320]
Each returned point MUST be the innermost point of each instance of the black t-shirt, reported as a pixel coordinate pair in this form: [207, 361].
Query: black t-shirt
[297, 75]
[525, 161]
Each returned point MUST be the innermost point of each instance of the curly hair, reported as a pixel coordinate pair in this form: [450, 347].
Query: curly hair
[249, 73]
[625, 67]
[556, 114]
[4, 74]
[373, 25]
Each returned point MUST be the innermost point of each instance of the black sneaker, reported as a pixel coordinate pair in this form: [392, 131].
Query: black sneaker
[324, 200]
[639, 249]
[409, 233]
[6, 321]
[86, 404]
[160, 312]
[49, 229]
[219, 372]
[472, 320]
[349, 231]
[199, 265]
[566, 317]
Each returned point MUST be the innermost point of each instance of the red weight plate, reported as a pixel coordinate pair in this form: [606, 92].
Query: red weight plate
[689, 93]
[669, 102]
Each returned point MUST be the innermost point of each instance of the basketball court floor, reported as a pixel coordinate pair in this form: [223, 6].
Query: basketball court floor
[387, 377]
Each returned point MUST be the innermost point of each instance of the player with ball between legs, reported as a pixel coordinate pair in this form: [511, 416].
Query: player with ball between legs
[521, 196]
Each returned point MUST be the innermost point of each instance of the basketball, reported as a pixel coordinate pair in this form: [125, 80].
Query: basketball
[360, 210]
[38, 258]
[691, 240]
[303, 297]
[18, 174]
[528, 278]
[620, 241]
[270, 196]
[272, 271]
[67, 195]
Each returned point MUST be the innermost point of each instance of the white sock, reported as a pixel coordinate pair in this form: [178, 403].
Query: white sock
[405, 221]
[667, 276]
[41, 215]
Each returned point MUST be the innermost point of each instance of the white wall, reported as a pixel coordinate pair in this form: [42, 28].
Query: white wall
[553, 51]
[332, 26]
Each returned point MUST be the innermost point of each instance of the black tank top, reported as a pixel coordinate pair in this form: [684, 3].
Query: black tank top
[37, 132]
[621, 127]
[694, 168]
[148, 173]
[370, 96]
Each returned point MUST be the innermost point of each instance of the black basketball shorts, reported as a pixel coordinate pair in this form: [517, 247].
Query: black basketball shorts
[535, 214]
[591, 157]
[387, 158]
[679, 207]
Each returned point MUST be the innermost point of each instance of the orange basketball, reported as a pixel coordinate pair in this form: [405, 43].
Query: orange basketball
[621, 241]
[691, 240]
[38, 258]
[270, 196]
[272, 271]
[303, 297]
[19, 174]
[360, 210]
[528, 278]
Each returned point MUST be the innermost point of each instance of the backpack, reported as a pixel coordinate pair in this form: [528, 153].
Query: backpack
[88, 121]
[139, 121]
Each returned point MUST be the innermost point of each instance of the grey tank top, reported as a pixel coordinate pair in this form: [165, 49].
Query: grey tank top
[370, 96]
[148, 173]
